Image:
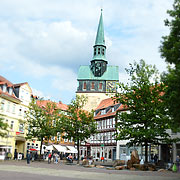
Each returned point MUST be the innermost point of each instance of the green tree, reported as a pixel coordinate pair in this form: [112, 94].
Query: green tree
[78, 124]
[3, 128]
[42, 120]
[170, 51]
[146, 122]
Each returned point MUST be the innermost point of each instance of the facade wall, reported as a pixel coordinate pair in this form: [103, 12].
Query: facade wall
[94, 99]
[14, 111]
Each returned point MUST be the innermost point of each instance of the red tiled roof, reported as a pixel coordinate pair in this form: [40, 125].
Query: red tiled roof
[106, 103]
[59, 105]
[109, 113]
[4, 80]
[109, 102]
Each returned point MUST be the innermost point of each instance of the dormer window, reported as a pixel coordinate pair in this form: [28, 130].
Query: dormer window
[10, 90]
[4, 88]
[103, 111]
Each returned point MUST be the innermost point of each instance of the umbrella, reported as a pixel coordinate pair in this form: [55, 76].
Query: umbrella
[32, 149]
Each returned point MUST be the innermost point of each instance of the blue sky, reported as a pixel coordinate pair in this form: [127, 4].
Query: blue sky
[43, 42]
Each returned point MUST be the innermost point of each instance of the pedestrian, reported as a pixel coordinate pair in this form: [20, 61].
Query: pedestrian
[155, 158]
[15, 154]
[49, 158]
[177, 162]
[102, 159]
[56, 158]
[28, 157]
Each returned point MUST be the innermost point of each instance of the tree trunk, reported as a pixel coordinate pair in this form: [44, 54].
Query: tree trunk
[41, 146]
[146, 152]
[78, 151]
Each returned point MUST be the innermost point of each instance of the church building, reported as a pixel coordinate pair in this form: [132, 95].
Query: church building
[98, 80]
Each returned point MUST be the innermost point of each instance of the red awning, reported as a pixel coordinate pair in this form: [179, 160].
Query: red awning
[32, 149]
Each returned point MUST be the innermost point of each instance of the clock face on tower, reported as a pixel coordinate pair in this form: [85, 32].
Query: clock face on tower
[111, 86]
[98, 69]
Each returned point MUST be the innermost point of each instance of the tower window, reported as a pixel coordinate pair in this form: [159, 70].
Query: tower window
[94, 51]
[103, 51]
[92, 85]
[100, 86]
[84, 85]
[99, 50]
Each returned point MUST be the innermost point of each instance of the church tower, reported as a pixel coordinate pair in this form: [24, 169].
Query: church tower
[98, 80]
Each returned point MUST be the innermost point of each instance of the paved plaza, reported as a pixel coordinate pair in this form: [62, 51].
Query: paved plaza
[19, 170]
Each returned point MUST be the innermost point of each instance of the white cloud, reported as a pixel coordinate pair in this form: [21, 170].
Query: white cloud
[40, 94]
[46, 41]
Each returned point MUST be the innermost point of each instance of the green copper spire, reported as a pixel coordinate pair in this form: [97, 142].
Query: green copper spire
[99, 47]
[99, 62]
[100, 33]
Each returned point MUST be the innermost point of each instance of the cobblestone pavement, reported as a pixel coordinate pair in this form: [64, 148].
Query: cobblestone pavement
[42, 170]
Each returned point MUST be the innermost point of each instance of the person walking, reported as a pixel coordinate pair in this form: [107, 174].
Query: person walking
[49, 158]
[56, 158]
[28, 157]
[177, 162]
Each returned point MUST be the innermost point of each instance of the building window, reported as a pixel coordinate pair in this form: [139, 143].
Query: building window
[107, 123]
[20, 111]
[28, 146]
[110, 123]
[100, 86]
[2, 105]
[8, 106]
[25, 114]
[114, 122]
[12, 125]
[14, 108]
[36, 146]
[21, 128]
[92, 85]
[84, 85]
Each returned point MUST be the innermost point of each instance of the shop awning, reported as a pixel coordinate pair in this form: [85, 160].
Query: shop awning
[60, 148]
[50, 148]
[72, 149]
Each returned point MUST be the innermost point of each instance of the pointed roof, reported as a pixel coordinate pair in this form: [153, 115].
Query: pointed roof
[100, 33]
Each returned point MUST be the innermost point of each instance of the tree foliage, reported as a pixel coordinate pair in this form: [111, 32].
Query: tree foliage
[41, 121]
[170, 47]
[170, 51]
[78, 124]
[145, 121]
[3, 128]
